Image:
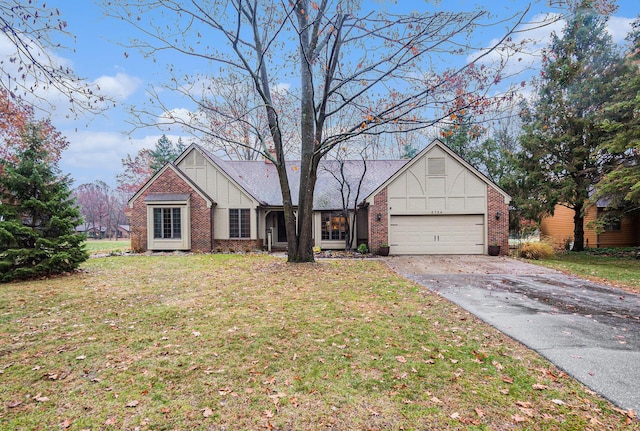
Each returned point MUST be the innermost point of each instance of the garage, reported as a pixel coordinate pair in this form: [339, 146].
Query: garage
[437, 234]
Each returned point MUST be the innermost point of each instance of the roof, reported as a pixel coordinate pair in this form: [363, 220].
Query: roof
[260, 179]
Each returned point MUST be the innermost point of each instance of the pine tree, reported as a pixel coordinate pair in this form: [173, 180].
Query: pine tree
[37, 215]
[164, 152]
[560, 163]
[621, 124]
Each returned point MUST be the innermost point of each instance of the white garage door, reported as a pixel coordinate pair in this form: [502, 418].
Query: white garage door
[446, 234]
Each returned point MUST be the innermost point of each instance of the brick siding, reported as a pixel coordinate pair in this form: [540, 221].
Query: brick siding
[498, 229]
[237, 245]
[201, 216]
[379, 230]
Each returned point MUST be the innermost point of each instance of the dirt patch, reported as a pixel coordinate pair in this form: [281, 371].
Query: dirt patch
[463, 264]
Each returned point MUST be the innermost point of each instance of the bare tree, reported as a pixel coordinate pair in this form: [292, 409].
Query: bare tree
[32, 72]
[349, 179]
[102, 207]
[355, 73]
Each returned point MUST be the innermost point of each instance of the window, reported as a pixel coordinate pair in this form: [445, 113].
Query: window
[167, 223]
[612, 225]
[334, 225]
[239, 223]
[610, 220]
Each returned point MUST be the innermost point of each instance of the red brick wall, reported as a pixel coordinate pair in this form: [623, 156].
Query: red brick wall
[379, 230]
[237, 245]
[201, 216]
[498, 230]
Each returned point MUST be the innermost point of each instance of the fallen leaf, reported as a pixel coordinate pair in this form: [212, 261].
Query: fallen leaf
[558, 402]
[540, 387]
[14, 404]
[268, 413]
[507, 379]
[479, 412]
[207, 412]
[40, 398]
[401, 359]
[133, 403]
[111, 421]
[518, 418]
[81, 357]
[65, 423]
[528, 412]
[196, 333]
[525, 404]
[455, 415]
[436, 400]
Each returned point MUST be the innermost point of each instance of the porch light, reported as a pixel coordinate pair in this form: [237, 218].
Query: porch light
[498, 215]
[378, 217]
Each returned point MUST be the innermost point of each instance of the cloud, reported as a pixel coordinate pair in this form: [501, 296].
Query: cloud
[118, 87]
[97, 155]
[618, 27]
[530, 40]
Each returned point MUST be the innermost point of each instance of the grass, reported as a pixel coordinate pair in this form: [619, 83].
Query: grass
[252, 343]
[104, 246]
[614, 267]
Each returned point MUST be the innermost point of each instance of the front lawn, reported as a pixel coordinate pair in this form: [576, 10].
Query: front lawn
[105, 246]
[617, 267]
[232, 342]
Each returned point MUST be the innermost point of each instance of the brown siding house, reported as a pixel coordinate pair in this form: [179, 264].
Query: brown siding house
[559, 229]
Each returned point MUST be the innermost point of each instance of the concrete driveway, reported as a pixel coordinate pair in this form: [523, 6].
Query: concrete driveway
[590, 331]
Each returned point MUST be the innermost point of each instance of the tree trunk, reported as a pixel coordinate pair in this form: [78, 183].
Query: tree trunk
[578, 227]
[302, 249]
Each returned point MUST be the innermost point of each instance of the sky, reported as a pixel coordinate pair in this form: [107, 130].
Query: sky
[98, 144]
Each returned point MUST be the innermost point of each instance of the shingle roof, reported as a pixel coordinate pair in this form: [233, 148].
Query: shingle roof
[260, 179]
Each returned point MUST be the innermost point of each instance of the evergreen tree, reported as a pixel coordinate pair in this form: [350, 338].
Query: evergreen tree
[560, 163]
[37, 215]
[490, 156]
[164, 152]
[621, 124]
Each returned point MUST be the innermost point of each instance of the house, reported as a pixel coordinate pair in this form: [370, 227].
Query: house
[92, 231]
[559, 228]
[435, 203]
[123, 231]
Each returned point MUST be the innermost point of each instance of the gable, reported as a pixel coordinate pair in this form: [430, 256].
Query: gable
[161, 183]
[214, 180]
[437, 183]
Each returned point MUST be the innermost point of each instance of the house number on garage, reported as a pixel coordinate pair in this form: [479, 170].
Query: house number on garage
[436, 212]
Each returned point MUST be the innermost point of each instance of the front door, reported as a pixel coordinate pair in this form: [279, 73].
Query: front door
[282, 229]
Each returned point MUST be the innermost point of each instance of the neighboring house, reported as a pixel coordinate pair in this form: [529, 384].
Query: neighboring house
[92, 231]
[123, 231]
[435, 203]
[559, 228]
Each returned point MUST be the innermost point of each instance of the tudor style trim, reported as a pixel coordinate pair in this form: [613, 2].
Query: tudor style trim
[450, 152]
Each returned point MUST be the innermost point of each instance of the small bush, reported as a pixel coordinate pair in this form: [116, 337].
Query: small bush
[536, 250]
[362, 249]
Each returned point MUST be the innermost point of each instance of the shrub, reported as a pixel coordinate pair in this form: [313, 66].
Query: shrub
[362, 249]
[536, 250]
